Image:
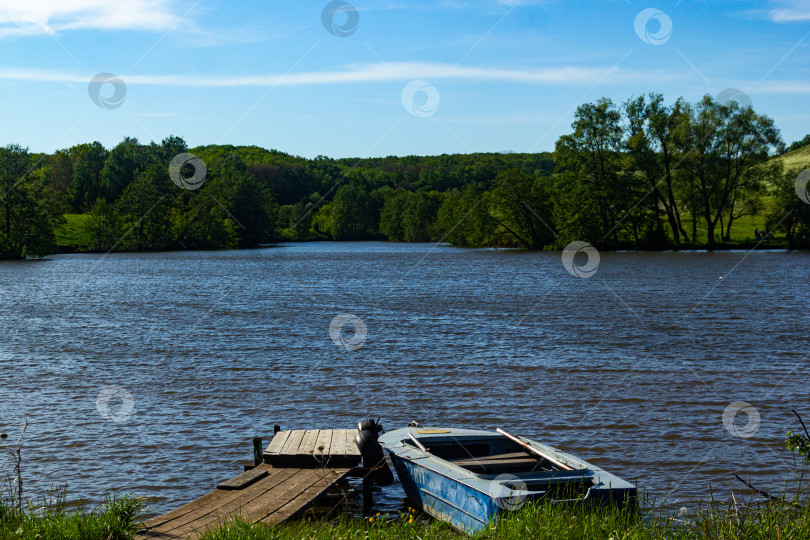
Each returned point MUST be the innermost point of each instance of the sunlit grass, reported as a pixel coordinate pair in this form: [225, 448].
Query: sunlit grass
[118, 518]
[798, 159]
[121, 518]
[547, 520]
[74, 232]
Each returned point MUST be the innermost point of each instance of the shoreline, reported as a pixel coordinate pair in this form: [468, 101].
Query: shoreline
[686, 248]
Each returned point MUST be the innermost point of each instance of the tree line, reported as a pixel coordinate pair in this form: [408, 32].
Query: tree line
[642, 174]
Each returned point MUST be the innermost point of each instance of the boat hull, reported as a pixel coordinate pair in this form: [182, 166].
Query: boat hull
[470, 501]
[443, 498]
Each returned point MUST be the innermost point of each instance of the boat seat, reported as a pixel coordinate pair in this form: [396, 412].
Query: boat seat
[501, 464]
[493, 458]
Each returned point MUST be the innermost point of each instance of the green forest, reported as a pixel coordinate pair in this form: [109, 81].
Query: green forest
[642, 174]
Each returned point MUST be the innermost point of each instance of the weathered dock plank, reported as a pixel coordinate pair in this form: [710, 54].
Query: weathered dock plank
[202, 508]
[293, 442]
[307, 446]
[270, 500]
[239, 505]
[338, 443]
[324, 443]
[303, 500]
[300, 467]
[277, 443]
[351, 446]
[313, 448]
[244, 479]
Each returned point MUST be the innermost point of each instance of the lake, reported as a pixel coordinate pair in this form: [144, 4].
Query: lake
[635, 368]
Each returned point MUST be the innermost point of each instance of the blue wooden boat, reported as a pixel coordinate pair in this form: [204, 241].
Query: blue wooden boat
[468, 477]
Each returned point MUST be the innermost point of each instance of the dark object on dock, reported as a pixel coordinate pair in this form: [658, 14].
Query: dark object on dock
[299, 467]
[468, 477]
[367, 441]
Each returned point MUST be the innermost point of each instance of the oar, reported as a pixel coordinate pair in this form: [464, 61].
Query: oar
[534, 450]
[417, 443]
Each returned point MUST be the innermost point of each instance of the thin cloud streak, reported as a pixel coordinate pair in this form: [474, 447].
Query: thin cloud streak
[378, 72]
[403, 72]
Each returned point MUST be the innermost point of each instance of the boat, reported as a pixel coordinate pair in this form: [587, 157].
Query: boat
[468, 477]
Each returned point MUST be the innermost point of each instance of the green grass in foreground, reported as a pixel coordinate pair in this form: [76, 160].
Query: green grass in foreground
[116, 519]
[120, 518]
[551, 521]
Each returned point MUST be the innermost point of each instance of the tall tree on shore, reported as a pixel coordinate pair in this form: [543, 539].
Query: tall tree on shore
[354, 214]
[589, 162]
[29, 212]
[463, 218]
[249, 205]
[651, 142]
[521, 205]
[85, 186]
[719, 143]
[60, 172]
[144, 210]
[391, 214]
[126, 160]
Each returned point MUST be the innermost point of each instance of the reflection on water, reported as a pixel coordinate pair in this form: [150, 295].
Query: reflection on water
[631, 369]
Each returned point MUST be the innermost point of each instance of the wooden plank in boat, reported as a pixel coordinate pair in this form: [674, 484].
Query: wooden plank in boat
[496, 457]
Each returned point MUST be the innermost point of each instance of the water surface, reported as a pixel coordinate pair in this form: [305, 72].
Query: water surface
[631, 369]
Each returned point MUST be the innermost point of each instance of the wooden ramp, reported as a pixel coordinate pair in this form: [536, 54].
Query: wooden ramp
[300, 466]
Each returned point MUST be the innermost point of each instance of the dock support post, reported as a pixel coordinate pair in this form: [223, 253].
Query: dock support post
[258, 453]
[368, 494]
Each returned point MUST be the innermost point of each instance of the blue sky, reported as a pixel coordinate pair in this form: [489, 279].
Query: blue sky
[411, 77]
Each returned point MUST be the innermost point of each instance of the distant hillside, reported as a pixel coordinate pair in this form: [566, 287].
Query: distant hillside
[797, 159]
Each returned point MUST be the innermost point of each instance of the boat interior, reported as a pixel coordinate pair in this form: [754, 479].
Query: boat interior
[487, 457]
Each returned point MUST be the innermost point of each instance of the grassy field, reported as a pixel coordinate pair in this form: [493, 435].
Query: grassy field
[743, 231]
[73, 234]
[798, 159]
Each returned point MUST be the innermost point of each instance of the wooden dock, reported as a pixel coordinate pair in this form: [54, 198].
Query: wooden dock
[299, 468]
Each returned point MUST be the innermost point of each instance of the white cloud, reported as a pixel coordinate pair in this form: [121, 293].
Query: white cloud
[29, 17]
[784, 87]
[791, 11]
[380, 72]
